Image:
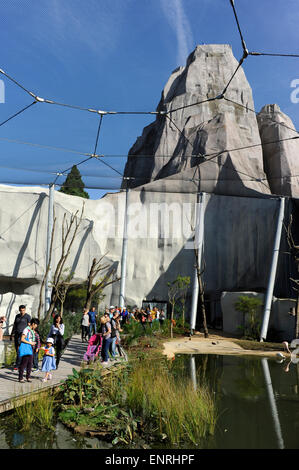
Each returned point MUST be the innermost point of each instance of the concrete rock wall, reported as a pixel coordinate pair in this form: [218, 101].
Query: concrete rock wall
[238, 241]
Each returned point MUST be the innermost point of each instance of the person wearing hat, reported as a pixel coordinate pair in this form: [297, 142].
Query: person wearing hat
[22, 320]
[111, 311]
[49, 361]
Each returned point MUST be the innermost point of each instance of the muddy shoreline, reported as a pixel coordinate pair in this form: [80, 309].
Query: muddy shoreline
[217, 344]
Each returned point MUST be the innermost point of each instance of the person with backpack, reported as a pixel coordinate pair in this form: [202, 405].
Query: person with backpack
[106, 334]
[115, 330]
[26, 349]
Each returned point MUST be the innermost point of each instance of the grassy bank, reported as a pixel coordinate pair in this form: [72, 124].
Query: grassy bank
[141, 404]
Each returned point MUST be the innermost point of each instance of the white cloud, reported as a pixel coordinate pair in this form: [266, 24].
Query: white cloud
[175, 14]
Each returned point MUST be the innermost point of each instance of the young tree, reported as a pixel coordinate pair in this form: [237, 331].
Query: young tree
[201, 294]
[184, 283]
[199, 273]
[73, 184]
[69, 232]
[63, 286]
[96, 287]
[41, 291]
[174, 293]
[250, 307]
[294, 252]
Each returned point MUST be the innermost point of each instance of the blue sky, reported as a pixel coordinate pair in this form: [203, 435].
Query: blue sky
[117, 55]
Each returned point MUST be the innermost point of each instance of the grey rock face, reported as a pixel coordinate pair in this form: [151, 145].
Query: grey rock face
[203, 132]
[281, 159]
[237, 252]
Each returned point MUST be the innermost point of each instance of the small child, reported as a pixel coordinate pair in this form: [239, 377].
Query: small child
[49, 361]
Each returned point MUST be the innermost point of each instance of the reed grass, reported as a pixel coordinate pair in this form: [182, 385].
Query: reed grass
[177, 409]
[37, 412]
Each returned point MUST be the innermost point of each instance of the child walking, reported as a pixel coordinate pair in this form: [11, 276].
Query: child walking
[49, 361]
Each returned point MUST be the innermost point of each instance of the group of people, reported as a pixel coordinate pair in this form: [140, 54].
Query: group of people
[111, 323]
[27, 342]
[109, 329]
[149, 316]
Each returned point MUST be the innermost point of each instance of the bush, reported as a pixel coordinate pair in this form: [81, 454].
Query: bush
[250, 307]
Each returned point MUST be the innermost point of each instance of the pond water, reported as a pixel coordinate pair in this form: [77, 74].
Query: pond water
[257, 399]
[61, 438]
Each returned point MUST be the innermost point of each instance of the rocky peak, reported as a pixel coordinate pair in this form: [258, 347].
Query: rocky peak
[280, 151]
[194, 127]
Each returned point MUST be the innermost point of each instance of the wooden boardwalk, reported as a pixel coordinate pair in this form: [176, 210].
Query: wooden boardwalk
[13, 393]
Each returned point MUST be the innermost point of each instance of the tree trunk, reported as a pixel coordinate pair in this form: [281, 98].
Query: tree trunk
[88, 301]
[52, 306]
[201, 296]
[171, 321]
[297, 318]
[202, 306]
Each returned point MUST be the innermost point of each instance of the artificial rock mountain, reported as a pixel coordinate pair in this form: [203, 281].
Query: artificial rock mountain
[193, 146]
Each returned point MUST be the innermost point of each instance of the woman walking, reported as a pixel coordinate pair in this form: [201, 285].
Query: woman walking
[57, 332]
[115, 333]
[107, 340]
[26, 350]
[85, 326]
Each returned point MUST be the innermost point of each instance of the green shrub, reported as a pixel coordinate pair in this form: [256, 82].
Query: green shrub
[251, 309]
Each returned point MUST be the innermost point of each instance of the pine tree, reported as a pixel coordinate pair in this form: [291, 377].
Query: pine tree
[73, 184]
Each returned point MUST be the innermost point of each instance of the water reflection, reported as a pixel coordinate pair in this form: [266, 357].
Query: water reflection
[272, 402]
[257, 401]
[61, 438]
[7, 352]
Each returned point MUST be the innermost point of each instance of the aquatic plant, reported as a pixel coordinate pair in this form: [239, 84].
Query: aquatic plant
[82, 387]
[36, 411]
[178, 412]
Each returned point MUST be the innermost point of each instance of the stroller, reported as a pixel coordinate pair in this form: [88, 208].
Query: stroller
[94, 348]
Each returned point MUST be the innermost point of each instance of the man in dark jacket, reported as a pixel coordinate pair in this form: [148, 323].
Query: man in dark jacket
[22, 320]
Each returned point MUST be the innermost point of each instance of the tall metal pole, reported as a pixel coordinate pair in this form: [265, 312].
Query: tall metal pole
[199, 235]
[48, 289]
[124, 255]
[270, 288]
